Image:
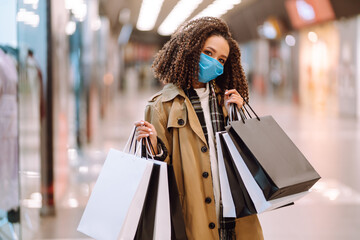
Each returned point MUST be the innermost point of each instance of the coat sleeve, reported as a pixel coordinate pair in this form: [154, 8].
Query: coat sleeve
[156, 117]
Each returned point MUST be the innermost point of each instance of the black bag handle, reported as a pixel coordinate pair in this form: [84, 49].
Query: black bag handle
[247, 103]
[146, 148]
[131, 145]
[242, 112]
[233, 116]
[151, 146]
[244, 107]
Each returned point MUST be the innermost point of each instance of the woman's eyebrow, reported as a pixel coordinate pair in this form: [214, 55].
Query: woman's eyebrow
[224, 56]
[213, 49]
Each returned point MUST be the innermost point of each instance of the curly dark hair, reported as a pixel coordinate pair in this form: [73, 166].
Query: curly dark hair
[178, 61]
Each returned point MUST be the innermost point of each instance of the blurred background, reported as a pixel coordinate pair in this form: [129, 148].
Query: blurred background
[75, 75]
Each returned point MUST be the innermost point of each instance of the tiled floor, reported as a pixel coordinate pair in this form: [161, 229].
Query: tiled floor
[331, 211]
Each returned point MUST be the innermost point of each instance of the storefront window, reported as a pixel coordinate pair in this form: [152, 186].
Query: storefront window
[9, 160]
[32, 47]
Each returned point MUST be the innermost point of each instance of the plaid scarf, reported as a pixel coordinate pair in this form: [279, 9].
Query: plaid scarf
[227, 225]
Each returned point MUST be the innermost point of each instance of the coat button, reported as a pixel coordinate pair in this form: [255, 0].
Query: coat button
[212, 225]
[204, 149]
[205, 174]
[208, 200]
[181, 122]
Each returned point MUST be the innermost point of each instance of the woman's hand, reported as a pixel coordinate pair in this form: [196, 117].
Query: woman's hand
[232, 96]
[145, 129]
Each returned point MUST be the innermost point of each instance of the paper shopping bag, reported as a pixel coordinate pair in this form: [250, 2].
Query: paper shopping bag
[178, 230]
[145, 229]
[226, 197]
[234, 196]
[155, 217]
[123, 178]
[277, 165]
[252, 187]
[162, 228]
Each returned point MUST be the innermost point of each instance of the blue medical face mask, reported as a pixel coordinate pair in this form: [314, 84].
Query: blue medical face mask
[210, 68]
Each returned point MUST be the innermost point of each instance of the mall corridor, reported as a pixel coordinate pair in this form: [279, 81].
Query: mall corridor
[76, 74]
[331, 143]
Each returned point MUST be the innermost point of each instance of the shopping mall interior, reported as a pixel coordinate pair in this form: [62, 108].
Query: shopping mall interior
[76, 74]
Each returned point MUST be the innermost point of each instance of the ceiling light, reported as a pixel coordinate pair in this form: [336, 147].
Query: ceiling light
[124, 15]
[28, 17]
[178, 15]
[96, 24]
[290, 40]
[269, 30]
[305, 10]
[313, 37]
[69, 4]
[218, 8]
[70, 28]
[79, 10]
[148, 15]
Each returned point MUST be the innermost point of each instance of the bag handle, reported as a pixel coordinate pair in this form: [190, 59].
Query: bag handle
[133, 147]
[148, 148]
[247, 103]
[235, 114]
[234, 111]
[244, 107]
[131, 143]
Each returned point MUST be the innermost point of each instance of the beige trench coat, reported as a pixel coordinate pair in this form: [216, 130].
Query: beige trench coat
[177, 125]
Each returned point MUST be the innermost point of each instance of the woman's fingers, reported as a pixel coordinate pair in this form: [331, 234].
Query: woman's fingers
[145, 129]
[232, 96]
[141, 136]
[231, 91]
[236, 99]
[141, 123]
[145, 124]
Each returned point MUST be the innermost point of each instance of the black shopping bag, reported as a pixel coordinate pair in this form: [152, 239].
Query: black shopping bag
[276, 163]
[145, 229]
[249, 187]
[178, 231]
[239, 195]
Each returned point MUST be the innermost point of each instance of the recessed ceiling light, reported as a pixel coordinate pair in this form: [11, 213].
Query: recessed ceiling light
[148, 15]
[178, 15]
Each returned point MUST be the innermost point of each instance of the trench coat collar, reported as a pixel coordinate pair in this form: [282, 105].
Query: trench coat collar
[169, 93]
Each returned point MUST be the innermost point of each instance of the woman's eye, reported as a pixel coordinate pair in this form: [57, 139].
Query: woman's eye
[208, 53]
[222, 61]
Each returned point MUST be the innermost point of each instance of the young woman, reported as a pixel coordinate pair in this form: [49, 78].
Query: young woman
[200, 66]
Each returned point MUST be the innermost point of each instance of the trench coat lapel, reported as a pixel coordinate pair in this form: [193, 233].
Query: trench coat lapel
[182, 110]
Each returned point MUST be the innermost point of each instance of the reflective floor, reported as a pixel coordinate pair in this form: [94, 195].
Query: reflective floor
[331, 211]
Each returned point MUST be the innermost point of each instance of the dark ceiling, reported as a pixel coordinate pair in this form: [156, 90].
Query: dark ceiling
[243, 20]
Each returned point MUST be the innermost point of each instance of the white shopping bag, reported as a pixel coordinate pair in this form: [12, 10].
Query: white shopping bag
[123, 178]
[161, 223]
[162, 227]
[226, 197]
[255, 192]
